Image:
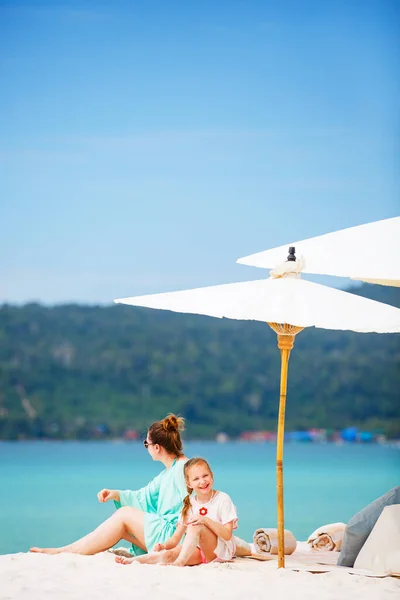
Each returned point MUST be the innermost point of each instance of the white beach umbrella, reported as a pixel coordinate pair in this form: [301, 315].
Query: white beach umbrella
[288, 304]
[367, 253]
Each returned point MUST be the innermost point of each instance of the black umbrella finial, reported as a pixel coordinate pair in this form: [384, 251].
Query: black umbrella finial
[291, 256]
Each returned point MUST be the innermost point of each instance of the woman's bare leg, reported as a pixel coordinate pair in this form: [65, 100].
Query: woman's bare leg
[165, 557]
[125, 523]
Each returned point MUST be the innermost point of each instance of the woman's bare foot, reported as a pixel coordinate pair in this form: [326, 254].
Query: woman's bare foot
[124, 561]
[46, 550]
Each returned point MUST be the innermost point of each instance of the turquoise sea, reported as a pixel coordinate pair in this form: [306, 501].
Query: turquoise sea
[48, 489]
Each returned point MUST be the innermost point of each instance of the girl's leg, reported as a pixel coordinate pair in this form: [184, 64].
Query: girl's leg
[125, 523]
[197, 535]
[208, 543]
[189, 545]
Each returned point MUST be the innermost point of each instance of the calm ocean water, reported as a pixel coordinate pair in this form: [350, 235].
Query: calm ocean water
[48, 489]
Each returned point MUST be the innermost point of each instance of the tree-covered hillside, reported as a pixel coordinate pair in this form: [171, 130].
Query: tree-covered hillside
[66, 370]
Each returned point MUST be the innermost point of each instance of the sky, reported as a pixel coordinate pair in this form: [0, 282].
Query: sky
[145, 145]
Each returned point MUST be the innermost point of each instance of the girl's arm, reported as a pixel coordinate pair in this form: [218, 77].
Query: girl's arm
[174, 540]
[222, 531]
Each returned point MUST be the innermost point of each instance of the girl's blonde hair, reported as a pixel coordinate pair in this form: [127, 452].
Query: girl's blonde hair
[188, 465]
[166, 433]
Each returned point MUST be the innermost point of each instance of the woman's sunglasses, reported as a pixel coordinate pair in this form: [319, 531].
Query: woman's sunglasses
[146, 444]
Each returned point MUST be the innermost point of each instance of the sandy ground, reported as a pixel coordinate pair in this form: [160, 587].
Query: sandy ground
[42, 577]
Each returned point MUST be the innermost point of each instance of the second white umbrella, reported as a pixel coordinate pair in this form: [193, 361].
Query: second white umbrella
[367, 252]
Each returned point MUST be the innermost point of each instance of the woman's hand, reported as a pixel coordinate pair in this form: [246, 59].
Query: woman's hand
[106, 495]
[158, 547]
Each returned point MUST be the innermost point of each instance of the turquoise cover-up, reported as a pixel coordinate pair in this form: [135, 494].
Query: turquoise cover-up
[161, 501]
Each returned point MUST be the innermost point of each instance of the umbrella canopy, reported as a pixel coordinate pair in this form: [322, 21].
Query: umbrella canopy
[366, 253]
[288, 304]
[287, 299]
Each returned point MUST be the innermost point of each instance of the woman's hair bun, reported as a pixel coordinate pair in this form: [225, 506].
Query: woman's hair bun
[173, 423]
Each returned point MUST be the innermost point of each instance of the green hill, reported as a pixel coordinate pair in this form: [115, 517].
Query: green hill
[65, 370]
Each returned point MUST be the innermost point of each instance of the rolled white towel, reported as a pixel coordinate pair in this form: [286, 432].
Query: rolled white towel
[266, 541]
[327, 537]
[242, 548]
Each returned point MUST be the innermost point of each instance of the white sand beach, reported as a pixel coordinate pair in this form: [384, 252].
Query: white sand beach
[25, 576]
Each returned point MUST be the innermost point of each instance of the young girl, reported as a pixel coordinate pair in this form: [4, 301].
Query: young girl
[208, 518]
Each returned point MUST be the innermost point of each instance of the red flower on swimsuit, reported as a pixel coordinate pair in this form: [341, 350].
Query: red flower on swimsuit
[203, 511]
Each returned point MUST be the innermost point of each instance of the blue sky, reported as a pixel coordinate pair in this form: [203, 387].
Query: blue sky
[145, 145]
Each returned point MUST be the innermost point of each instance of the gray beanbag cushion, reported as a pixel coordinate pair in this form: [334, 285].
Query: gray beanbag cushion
[360, 526]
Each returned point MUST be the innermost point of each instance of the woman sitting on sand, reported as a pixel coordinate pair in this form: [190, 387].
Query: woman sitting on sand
[208, 518]
[147, 516]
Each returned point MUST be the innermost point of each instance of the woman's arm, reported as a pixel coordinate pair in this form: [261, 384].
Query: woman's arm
[173, 541]
[145, 499]
[222, 531]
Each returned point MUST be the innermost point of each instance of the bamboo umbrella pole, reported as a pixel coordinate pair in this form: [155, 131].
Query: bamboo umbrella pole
[286, 334]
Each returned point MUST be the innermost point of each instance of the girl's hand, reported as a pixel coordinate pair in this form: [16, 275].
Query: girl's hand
[158, 548]
[198, 520]
[106, 495]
